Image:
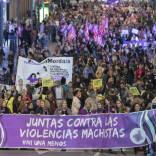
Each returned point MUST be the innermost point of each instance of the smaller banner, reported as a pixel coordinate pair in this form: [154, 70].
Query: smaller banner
[134, 91]
[47, 82]
[51, 68]
[143, 44]
[97, 83]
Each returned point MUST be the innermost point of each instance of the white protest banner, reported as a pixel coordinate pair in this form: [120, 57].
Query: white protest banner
[135, 31]
[124, 32]
[3, 86]
[55, 67]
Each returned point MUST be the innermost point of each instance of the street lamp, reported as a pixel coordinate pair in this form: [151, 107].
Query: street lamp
[2, 20]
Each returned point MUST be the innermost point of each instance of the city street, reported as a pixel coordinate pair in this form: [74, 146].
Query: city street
[52, 153]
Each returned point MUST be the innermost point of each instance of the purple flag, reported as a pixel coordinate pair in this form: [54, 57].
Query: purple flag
[99, 39]
[95, 32]
[90, 27]
[78, 132]
[86, 32]
[71, 34]
[154, 28]
[103, 26]
[69, 27]
[64, 30]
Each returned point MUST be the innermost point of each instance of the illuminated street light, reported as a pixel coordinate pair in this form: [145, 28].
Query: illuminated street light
[2, 19]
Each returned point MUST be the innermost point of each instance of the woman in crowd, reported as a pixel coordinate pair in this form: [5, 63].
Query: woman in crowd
[4, 109]
[43, 109]
[53, 106]
[87, 110]
[63, 110]
[31, 109]
[23, 107]
[100, 108]
[76, 103]
[120, 108]
[17, 102]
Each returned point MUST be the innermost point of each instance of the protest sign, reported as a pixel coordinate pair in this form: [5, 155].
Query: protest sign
[55, 68]
[124, 32]
[134, 91]
[67, 132]
[143, 44]
[47, 82]
[135, 31]
[97, 83]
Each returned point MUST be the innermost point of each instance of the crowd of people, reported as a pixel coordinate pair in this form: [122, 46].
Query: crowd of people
[119, 66]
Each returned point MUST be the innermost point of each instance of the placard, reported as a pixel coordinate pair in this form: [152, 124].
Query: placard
[97, 83]
[135, 31]
[134, 91]
[47, 82]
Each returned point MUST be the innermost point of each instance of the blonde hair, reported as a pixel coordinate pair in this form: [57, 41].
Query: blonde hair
[46, 103]
[92, 103]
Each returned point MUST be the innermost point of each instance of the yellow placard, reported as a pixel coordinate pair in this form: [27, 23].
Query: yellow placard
[44, 97]
[47, 82]
[97, 83]
[134, 91]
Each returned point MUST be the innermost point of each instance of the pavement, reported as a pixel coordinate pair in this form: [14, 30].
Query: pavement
[60, 153]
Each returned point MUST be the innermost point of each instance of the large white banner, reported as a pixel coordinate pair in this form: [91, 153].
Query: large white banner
[54, 67]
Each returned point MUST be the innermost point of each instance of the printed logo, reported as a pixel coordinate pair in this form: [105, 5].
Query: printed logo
[137, 136]
[146, 131]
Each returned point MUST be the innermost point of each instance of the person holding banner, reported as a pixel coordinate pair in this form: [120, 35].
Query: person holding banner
[43, 109]
[100, 108]
[136, 107]
[63, 110]
[37, 91]
[120, 108]
[88, 108]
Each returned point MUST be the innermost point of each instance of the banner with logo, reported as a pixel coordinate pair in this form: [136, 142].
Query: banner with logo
[54, 67]
[68, 132]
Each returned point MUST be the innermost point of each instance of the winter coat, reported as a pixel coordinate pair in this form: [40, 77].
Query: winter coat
[76, 104]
